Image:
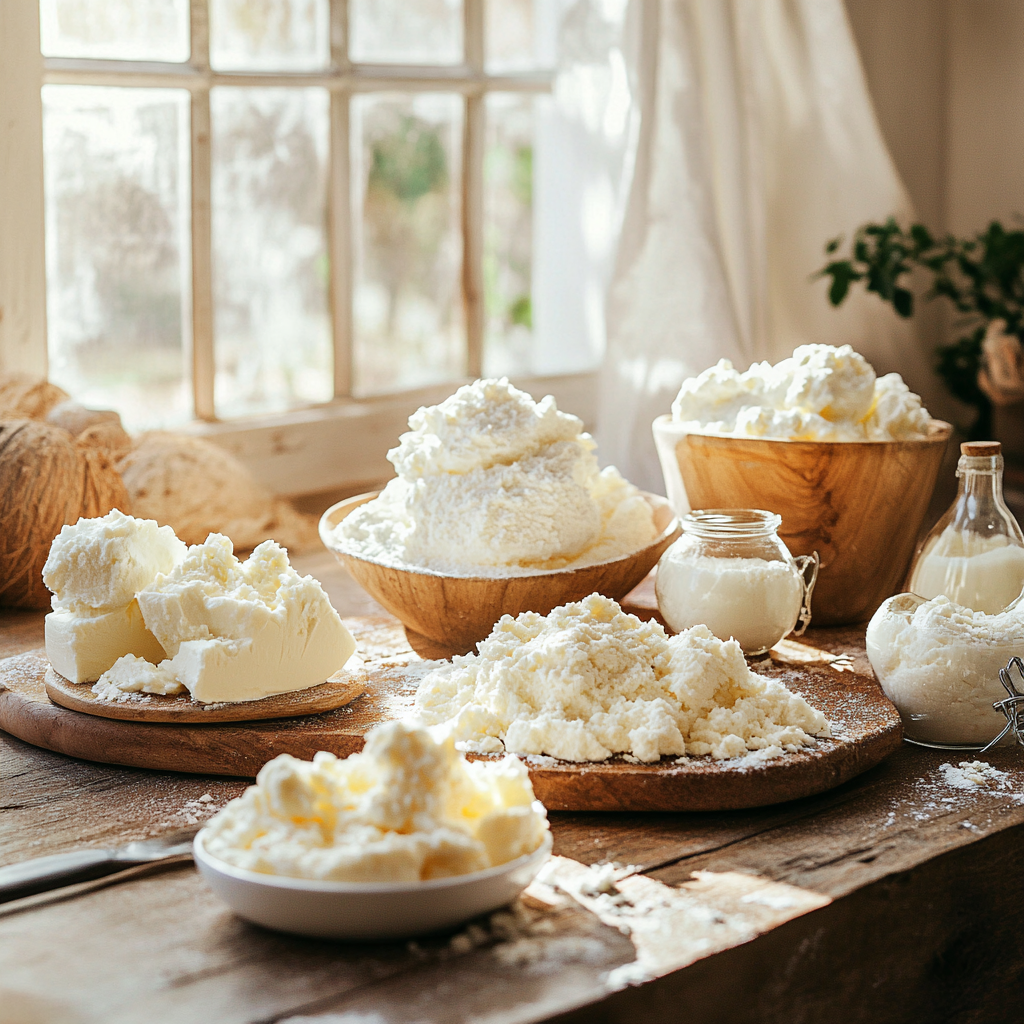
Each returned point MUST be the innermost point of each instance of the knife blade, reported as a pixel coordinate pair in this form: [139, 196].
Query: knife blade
[43, 873]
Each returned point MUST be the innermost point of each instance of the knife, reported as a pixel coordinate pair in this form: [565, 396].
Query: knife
[43, 873]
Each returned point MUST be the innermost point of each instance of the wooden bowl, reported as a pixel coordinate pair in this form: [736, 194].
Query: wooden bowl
[458, 611]
[859, 504]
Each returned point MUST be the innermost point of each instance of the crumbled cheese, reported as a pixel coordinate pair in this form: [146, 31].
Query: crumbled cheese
[490, 480]
[820, 393]
[408, 807]
[589, 681]
[95, 568]
[939, 663]
[237, 631]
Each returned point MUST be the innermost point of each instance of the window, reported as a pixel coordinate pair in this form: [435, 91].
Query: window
[283, 217]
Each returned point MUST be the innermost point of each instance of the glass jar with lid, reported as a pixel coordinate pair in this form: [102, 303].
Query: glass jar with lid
[975, 553]
[731, 571]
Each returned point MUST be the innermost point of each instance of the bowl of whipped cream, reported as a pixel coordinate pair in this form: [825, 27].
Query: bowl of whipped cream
[847, 458]
[498, 507]
[404, 838]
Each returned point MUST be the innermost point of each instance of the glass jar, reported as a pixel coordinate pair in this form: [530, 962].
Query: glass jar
[731, 571]
[939, 664]
[975, 553]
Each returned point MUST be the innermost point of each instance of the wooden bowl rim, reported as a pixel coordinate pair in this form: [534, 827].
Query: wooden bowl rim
[330, 519]
[938, 430]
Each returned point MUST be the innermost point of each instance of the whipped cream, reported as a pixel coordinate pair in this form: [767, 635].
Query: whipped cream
[588, 681]
[489, 482]
[235, 631]
[820, 393]
[95, 568]
[939, 663]
[408, 807]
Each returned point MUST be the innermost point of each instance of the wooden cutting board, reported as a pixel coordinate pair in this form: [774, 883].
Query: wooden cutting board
[866, 727]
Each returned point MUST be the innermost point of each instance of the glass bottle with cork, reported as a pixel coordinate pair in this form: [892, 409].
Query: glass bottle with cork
[975, 553]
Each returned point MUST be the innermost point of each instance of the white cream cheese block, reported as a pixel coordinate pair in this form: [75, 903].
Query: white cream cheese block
[82, 647]
[94, 568]
[238, 631]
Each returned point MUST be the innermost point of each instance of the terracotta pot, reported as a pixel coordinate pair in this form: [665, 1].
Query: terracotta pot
[859, 504]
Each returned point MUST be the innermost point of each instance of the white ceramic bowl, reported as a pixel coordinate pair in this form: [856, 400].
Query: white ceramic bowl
[366, 910]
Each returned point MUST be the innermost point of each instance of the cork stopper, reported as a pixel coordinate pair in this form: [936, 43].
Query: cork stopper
[976, 448]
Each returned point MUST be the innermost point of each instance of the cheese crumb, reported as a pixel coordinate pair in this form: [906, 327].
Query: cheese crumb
[589, 681]
[408, 807]
[490, 480]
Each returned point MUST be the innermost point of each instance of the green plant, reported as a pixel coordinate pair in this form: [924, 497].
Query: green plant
[983, 277]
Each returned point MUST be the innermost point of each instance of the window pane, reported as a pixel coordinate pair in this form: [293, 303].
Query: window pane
[269, 35]
[117, 248]
[270, 268]
[406, 165]
[115, 29]
[405, 31]
[508, 234]
[520, 35]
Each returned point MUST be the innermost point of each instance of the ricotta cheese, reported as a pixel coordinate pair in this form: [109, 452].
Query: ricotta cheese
[589, 681]
[820, 393]
[491, 481]
[95, 568]
[939, 663]
[408, 807]
[237, 631]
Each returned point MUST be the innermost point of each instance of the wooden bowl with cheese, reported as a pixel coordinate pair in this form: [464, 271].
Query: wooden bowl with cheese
[458, 611]
[859, 504]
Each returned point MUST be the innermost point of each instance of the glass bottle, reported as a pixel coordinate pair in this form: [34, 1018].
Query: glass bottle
[731, 572]
[975, 553]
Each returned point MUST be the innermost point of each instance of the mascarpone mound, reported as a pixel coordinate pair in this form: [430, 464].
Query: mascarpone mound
[589, 680]
[820, 393]
[95, 568]
[408, 807]
[235, 631]
[489, 482]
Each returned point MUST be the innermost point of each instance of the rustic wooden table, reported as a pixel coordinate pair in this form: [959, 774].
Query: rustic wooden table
[895, 897]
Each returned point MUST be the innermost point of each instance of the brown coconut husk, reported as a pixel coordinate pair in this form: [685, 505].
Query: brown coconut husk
[47, 480]
[198, 488]
[27, 398]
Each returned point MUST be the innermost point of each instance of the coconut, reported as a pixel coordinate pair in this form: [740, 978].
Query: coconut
[47, 479]
[24, 397]
[198, 488]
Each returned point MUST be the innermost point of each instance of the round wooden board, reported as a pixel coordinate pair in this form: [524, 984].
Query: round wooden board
[866, 728]
[342, 688]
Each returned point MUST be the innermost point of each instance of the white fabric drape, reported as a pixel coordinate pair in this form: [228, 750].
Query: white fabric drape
[757, 143]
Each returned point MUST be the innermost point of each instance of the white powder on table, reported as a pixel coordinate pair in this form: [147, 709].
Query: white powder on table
[939, 663]
[589, 681]
[489, 481]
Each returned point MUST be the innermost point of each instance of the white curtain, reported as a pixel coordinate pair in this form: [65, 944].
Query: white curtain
[757, 143]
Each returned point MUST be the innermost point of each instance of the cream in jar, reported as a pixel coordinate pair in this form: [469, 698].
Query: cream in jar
[731, 572]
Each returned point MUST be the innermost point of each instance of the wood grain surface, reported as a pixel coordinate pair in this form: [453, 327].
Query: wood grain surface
[341, 689]
[892, 898]
[866, 728]
[458, 611]
[859, 505]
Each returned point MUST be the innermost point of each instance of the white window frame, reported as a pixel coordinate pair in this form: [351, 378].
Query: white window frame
[337, 445]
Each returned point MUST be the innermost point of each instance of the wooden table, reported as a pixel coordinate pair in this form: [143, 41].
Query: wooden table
[893, 898]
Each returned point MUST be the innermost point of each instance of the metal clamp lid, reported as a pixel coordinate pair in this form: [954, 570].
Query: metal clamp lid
[1013, 706]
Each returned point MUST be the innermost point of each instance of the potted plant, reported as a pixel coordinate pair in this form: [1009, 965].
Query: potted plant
[983, 277]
